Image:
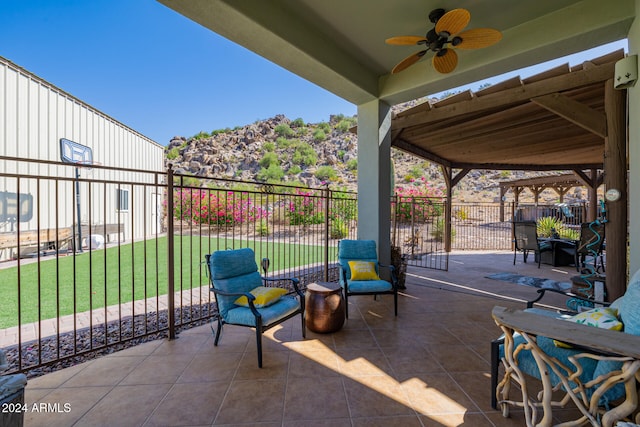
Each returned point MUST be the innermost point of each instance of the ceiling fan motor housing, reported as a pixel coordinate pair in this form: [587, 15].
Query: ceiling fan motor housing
[435, 15]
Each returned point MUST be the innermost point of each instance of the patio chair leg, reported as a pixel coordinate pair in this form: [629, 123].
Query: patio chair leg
[540, 258]
[495, 361]
[216, 335]
[346, 305]
[304, 327]
[259, 340]
[395, 302]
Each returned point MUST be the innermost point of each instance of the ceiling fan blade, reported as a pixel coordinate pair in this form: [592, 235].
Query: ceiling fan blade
[453, 21]
[479, 37]
[446, 62]
[405, 40]
[408, 61]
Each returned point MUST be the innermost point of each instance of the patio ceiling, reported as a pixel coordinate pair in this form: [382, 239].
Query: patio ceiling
[339, 44]
[552, 121]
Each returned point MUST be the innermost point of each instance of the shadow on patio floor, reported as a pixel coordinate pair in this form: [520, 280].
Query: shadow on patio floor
[427, 367]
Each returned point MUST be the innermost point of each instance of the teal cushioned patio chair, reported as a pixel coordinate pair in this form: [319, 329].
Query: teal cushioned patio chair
[364, 250]
[525, 239]
[234, 273]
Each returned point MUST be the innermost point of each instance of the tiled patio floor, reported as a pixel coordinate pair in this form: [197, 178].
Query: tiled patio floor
[427, 367]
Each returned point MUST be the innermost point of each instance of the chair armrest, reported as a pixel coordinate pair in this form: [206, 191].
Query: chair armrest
[594, 340]
[250, 298]
[392, 270]
[542, 291]
[294, 281]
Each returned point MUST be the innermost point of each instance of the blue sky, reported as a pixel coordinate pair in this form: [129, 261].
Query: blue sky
[158, 72]
[153, 69]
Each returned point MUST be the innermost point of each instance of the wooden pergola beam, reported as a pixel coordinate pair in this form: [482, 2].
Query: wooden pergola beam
[574, 111]
[599, 73]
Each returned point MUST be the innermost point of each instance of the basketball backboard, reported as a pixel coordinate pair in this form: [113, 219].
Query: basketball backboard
[72, 152]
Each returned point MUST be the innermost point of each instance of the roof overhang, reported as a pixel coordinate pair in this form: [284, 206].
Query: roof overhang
[339, 44]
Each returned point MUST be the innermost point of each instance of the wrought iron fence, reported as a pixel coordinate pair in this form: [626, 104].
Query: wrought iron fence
[477, 226]
[418, 229]
[93, 260]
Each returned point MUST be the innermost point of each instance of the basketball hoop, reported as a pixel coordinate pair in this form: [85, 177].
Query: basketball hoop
[82, 157]
[87, 164]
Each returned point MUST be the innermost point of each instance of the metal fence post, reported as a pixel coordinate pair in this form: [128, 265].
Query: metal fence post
[327, 195]
[170, 256]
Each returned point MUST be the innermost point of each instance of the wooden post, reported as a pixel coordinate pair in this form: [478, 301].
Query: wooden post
[593, 196]
[615, 167]
[447, 172]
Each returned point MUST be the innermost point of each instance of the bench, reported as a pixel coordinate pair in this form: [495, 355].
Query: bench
[48, 239]
[37, 240]
[599, 371]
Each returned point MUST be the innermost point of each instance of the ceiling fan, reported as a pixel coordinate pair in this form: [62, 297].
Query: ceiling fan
[441, 39]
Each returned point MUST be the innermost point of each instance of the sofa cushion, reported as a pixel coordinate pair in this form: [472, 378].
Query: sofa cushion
[599, 317]
[363, 270]
[280, 309]
[265, 296]
[371, 286]
[235, 285]
[233, 263]
[592, 368]
[629, 309]
[527, 363]
[359, 250]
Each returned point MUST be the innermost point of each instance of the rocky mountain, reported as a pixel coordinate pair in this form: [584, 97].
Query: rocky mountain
[292, 151]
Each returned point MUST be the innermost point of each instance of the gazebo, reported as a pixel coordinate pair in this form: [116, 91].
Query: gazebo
[566, 118]
[561, 184]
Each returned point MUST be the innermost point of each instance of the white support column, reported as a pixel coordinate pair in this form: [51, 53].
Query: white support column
[374, 183]
[634, 153]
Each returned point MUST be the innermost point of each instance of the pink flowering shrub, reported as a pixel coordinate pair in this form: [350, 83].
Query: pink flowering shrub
[305, 208]
[216, 207]
[418, 201]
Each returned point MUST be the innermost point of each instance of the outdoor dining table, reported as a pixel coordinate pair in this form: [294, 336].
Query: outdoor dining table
[562, 251]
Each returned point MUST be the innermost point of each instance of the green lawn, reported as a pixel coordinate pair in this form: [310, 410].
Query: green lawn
[120, 274]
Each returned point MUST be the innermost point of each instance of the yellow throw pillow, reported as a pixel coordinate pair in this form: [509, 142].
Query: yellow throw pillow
[265, 296]
[363, 270]
[601, 317]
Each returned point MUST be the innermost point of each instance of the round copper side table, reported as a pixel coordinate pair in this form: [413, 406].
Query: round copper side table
[324, 307]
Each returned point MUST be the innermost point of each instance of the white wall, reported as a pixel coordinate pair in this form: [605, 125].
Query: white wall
[634, 154]
[34, 115]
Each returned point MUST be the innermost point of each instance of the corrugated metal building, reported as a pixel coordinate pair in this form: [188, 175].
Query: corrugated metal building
[34, 116]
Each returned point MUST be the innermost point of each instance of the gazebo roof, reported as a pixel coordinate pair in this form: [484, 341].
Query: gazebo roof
[548, 180]
[551, 121]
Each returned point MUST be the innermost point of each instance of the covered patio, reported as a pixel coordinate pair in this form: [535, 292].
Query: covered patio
[340, 46]
[428, 366]
[377, 370]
